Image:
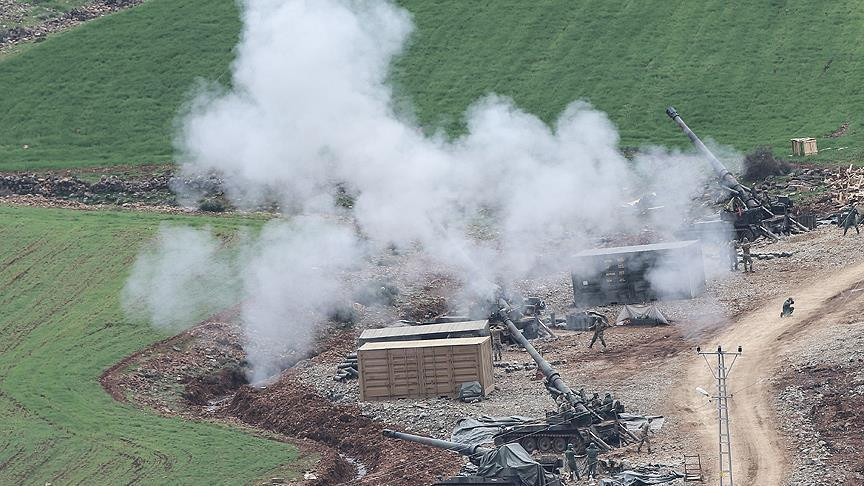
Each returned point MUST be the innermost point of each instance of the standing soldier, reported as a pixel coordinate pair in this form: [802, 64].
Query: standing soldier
[600, 324]
[572, 463]
[591, 452]
[746, 259]
[851, 220]
[497, 345]
[644, 430]
[733, 255]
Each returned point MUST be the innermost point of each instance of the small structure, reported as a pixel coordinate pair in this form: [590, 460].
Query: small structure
[804, 146]
[640, 315]
[635, 274]
[427, 368]
[426, 331]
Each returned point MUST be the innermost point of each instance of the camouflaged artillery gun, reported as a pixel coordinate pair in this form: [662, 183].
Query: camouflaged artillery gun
[508, 465]
[750, 214]
[573, 422]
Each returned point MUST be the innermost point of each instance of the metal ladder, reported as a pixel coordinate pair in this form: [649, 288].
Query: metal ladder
[692, 468]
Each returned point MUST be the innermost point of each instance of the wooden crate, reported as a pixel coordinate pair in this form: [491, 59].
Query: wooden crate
[428, 368]
[804, 146]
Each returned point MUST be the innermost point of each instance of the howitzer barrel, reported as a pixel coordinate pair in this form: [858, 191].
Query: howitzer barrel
[552, 376]
[726, 177]
[464, 449]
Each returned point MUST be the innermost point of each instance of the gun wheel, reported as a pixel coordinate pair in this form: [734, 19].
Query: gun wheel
[559, 444]
[545, 444]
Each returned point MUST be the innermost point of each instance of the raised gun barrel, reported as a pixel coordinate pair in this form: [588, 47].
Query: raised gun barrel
[464, 449]
[553, 378]
[726, 178]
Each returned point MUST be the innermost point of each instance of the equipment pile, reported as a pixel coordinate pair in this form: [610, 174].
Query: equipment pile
[347, 369]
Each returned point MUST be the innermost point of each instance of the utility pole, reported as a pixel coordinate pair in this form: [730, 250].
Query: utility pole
[722, 398]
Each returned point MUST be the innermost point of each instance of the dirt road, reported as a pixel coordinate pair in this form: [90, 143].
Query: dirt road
[759, 455]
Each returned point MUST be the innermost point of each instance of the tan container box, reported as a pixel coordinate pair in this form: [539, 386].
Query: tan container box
[804, 146]
[428, 368]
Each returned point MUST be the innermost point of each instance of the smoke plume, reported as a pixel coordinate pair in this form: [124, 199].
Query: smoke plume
[311, 109]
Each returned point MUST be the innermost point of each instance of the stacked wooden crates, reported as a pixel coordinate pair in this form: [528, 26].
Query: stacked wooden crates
[426, 368]
[804, 146]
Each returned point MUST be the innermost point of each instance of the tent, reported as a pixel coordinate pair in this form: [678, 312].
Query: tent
[641, 314]
[512, 461]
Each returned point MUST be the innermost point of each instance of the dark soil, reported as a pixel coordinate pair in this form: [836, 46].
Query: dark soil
[292, 408]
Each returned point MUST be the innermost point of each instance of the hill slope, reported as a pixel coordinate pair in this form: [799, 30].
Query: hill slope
[745, 73]
[61, 326]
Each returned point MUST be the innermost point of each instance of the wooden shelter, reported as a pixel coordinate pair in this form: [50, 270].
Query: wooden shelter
[426, 368]
[426, 331]
[641, 273]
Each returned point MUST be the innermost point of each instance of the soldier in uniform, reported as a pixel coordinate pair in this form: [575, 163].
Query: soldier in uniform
[851, 220]
[644, 430]
[591, 452]
[787, 308]
[497, 345]
[607, 402]
[594, 403]
[600, 324]
[745, 256]
[572, 463]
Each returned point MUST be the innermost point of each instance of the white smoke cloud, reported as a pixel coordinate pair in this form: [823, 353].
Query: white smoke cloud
[183, 277]
[310, 107]
[292, 273]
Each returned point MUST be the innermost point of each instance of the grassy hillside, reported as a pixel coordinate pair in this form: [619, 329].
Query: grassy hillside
[743, 73]
[107, 92]
[61, 326]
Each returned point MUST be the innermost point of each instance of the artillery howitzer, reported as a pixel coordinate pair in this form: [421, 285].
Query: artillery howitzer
[525, 317]
[509, 465]
[751, 215]
[573, 423]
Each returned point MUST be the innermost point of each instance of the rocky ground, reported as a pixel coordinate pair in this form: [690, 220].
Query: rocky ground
[147, 186]
[194, 375]
[821, 397]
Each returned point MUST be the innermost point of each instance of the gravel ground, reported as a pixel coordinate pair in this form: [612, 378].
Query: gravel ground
[642, 367]
[642, 364]
[822, 401]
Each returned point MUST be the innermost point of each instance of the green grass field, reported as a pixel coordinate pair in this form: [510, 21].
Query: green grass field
[60, 277]
[744, 74]
[107, 92]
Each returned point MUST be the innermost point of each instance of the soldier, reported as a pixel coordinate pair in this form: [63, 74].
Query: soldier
[644, 430]
[607, 401]
[572, 463]
[851, 220]
[733, 256]
[600, 324]
[745, 256]
[787, 308]
[591, 452]
[497, 345]
[595, 401]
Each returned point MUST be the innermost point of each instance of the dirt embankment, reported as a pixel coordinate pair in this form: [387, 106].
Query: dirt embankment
[292, 408]
[198, 374]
